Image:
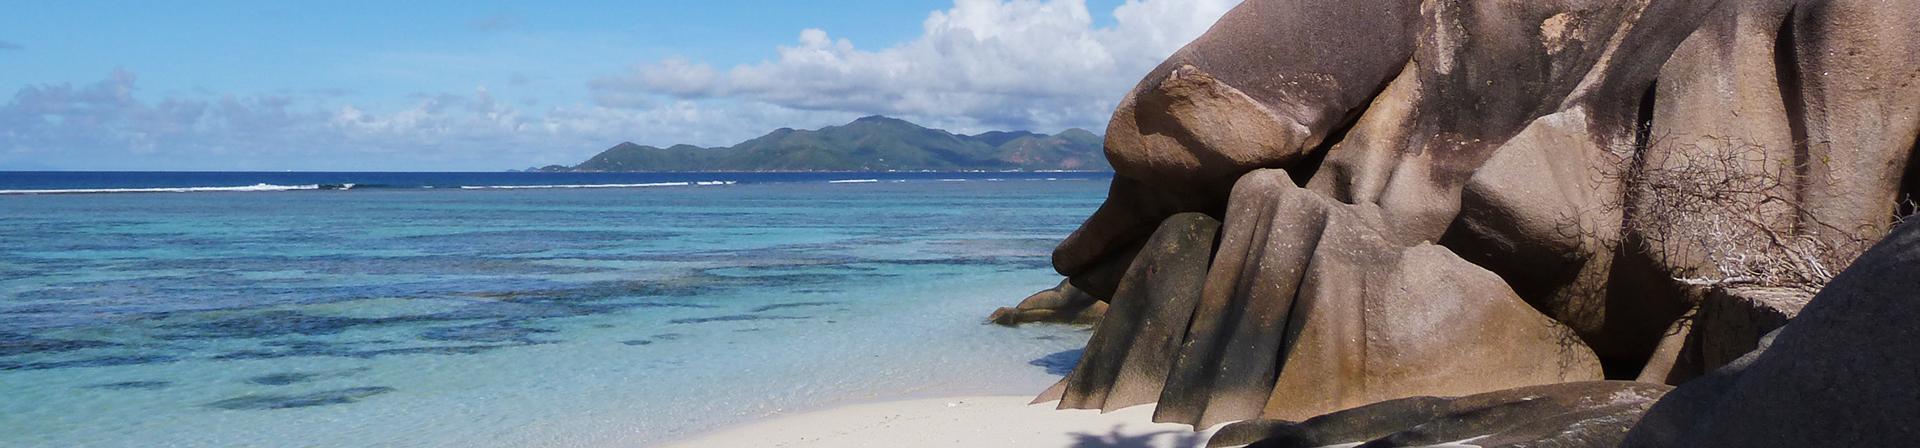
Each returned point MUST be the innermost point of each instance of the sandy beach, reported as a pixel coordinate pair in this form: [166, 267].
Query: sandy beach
[1002, 421]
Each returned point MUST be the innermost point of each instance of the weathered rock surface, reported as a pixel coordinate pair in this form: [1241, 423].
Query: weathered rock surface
[1727, 324]
[1266, 87]
[1732, 321]
[1586, 414]
[1428, 197]
[1097, 254]
[1843, 373]
[1128, 357]
[1676, 360]
[1308, 309]
[1062, 304]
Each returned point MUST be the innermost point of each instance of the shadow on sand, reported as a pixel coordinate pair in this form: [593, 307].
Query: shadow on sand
[1116, 439]
[1059, 363]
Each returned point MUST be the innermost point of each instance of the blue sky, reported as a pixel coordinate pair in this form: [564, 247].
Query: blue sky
[352, 85]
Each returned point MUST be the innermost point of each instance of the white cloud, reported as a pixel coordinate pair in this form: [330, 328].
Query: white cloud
[982, 64]
[103, 125]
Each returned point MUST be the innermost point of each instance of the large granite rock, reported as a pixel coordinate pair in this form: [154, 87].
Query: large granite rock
[1063, 304]
[1727, 324]
[1731, 321]
[1267, 87]
[1584, 167]
[1308, 309]
[1097, 254]
[1127, 359]
[1843, 373]
[1521, 135]
[1594, 414]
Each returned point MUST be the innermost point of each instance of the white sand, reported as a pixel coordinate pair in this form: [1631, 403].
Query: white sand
[958, 422]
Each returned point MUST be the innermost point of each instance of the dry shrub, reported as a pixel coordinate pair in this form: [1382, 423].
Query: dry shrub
[1729, 210]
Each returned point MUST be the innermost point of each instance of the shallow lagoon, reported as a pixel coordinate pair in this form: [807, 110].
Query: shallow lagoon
[561, 317]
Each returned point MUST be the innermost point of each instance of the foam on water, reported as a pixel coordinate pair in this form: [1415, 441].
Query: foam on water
[546, 187]
[248, 188]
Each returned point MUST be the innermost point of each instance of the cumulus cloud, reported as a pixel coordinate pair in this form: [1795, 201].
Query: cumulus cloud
[982, 64]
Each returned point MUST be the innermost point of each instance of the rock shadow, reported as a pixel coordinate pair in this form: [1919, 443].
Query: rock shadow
[1059, 364]
[1116, 439]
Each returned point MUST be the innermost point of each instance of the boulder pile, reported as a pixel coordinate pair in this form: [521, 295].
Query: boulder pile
[1325, 204]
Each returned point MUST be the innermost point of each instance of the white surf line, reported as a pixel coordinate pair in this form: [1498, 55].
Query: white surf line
[855, 181]
[704, 183]
[541, 187]
[250, 188]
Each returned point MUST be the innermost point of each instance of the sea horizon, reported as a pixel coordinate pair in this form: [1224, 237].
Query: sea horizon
[100, 182]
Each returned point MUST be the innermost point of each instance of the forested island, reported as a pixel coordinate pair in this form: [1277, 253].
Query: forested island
[873, 143]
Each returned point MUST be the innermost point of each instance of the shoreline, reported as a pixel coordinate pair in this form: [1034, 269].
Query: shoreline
[965, 421]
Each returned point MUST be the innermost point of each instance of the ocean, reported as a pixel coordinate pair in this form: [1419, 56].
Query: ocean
[509, 309]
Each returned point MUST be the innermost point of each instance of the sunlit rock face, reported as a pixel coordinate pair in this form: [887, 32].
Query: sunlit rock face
[1063, 304]
[1452, 197]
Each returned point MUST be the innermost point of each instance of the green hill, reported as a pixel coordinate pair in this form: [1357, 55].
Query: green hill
[868, 144]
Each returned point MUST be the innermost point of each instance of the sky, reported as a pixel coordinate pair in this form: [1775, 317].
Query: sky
[486, 86]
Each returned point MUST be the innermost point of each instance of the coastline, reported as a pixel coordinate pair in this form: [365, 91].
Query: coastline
[969, 421]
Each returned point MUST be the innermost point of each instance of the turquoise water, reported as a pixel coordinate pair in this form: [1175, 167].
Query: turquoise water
[563, 317]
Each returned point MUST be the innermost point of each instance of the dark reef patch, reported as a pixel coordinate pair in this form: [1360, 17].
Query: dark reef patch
[491, 332]
[271, 324]
[15, 344]
[104, 361]
[780, 306]
[496, 242]
[292, 378]
[732, 318]
[369, 354]
[281, 323]
[324, 398]
[672, 305]
[131, 385]
[283, 379]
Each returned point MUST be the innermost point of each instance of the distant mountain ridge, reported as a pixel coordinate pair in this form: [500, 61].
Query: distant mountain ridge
[872, 143]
